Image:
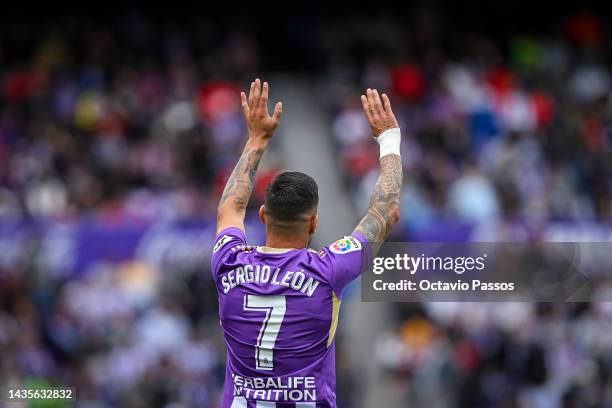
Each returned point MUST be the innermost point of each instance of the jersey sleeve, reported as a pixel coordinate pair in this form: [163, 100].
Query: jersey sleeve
[223, 244]
[348, 258]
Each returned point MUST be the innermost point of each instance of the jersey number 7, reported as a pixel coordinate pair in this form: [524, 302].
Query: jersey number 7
[274, 307]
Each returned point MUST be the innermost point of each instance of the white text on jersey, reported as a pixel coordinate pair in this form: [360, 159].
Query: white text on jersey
[262, 274]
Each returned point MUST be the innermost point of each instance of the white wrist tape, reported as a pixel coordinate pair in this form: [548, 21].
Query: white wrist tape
[389, 142]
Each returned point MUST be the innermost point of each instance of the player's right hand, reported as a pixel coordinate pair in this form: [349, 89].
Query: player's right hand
[260, 124]
[379, 113]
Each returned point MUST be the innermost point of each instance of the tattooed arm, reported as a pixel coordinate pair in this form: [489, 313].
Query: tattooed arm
[384, 202]
[261, 127]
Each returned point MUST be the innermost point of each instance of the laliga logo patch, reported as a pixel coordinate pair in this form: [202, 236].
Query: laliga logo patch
[345, 245]
[224, 240]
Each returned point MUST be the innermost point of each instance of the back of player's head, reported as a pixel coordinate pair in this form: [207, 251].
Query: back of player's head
[290, 196]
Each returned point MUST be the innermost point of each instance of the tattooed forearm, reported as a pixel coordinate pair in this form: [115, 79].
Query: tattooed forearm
[384, 203]
[239, 186]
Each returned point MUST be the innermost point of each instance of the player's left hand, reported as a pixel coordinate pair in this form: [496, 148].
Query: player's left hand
[379, 113]
[259, 122]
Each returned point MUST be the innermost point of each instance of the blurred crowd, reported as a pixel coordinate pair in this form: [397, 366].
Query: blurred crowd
[127, 118]
[500, 355]
[125, 335]
[518, 129]
[135, 119]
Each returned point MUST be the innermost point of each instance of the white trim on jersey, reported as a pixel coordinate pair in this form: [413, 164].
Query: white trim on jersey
[239, 402]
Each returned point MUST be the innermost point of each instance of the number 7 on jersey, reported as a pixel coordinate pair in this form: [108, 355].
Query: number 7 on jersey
[274, 307]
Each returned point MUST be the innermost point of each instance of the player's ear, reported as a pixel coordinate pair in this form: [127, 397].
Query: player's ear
[262, 214]
[314, 219]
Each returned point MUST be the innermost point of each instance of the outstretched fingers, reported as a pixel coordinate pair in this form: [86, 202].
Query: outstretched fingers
[264, 98]
[251, 94]
[366, 107]
[387, 103]
[257, 95]
[278, 111]
[378, 107]
[245, 104]
[378, 111]
[255, 106]
[388, 109]
[372, 105]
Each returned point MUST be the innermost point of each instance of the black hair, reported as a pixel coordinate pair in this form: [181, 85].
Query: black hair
[291, 195]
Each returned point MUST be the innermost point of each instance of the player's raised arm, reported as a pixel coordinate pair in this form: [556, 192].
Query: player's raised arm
[261, 127]
[385, 200]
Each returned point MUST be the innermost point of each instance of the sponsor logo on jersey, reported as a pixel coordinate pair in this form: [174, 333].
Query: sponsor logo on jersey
[222, 241]
[345, 245]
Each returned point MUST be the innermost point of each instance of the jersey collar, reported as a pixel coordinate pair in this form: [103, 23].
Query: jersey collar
[269, 250]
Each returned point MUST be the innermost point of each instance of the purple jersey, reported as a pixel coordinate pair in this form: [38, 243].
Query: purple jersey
[279, 311]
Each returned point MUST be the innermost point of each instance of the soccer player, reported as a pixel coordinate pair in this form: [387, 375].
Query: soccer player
[279, 303]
